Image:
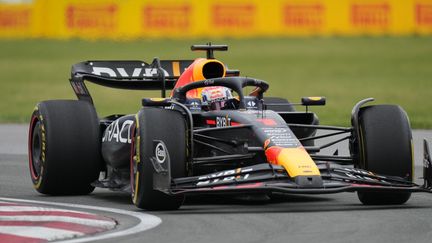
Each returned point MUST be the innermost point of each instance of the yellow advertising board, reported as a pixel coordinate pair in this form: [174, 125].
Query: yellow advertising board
[17, 20]
[128, 19]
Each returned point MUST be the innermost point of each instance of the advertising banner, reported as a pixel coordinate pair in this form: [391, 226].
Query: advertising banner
[129, 19]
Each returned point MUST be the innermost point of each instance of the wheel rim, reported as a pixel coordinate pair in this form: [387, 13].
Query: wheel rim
[133, 164]
[36, 149]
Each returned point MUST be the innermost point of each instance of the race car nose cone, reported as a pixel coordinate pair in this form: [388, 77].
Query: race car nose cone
[296, 161]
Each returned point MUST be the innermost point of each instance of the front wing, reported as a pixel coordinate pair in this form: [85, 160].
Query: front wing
[264, 178]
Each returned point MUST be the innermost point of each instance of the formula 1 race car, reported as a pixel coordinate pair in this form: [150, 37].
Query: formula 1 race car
[210, 137]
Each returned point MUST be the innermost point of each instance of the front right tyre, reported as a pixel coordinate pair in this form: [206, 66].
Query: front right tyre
[159, 135]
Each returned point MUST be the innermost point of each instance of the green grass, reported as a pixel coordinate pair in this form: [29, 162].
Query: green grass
[345, 70]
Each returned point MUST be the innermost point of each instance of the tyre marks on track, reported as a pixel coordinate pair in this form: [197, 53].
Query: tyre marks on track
[27, 223]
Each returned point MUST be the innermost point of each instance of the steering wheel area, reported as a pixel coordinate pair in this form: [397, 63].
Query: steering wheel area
[235, 83]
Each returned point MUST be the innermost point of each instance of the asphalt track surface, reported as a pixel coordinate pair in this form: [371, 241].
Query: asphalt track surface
[320, 218]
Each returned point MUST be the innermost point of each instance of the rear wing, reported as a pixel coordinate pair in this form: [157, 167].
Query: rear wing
[136, 75]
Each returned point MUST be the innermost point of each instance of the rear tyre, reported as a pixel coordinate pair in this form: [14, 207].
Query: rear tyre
[386, 148]
[168, 126]
[64, 147]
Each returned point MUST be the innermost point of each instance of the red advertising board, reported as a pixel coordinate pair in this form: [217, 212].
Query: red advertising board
[304, 15]
[241, 15]
[167, 17]
[371, 15]
[101, 17]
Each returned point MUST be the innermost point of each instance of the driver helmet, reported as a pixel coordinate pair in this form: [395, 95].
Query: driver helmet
[215, 97]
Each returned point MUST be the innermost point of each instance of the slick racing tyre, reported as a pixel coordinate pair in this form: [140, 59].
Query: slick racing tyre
[159, 142]
[64, 147]
[385, 148]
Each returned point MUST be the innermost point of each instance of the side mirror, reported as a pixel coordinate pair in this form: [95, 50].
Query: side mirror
[313, 101]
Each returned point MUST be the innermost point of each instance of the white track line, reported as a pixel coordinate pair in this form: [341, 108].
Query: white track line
[39, 232]
[37, 218]
[147, 221]
[31, 208]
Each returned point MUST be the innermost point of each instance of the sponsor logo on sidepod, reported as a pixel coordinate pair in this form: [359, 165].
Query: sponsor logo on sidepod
[115, 132]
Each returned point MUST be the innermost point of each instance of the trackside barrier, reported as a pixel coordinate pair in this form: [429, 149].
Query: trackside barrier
[128, 19]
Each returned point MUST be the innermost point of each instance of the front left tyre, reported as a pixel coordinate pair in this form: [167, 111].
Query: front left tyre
[386, 149]
[64, 147]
